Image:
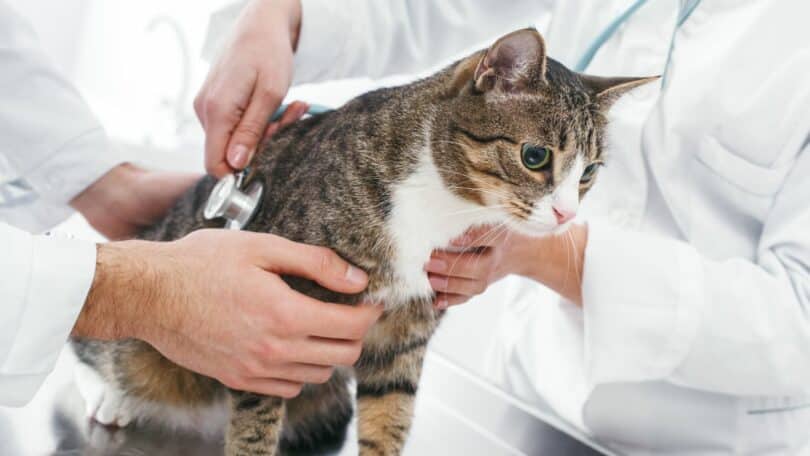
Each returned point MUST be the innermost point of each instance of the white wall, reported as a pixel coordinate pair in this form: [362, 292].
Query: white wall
[139, 65]
[59, 25]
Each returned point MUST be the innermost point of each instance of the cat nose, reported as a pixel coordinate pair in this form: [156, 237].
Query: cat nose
[563, 215]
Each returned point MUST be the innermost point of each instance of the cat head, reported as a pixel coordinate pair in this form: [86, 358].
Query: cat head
[523, 135]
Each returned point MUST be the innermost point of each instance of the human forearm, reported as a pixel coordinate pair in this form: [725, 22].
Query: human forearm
[557, 262]
[127, 199]
[179, 297]
[126, 282]
[101, 200]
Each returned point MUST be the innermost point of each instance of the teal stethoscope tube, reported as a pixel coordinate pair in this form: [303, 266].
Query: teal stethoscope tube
[606, 34]
[583, 62]
[313, 109]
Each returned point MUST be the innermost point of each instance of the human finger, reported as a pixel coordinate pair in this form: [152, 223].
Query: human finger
[320, 264]
[482, 236]
[326, 352]
[267, 386]
[216, 139]
[469, 265]
[251, 127]
[334, 321]
[456, 285]
[301, 373]
[292, 114]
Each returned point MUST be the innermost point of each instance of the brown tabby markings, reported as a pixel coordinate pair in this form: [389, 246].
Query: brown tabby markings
[331, 181]
[146, 372]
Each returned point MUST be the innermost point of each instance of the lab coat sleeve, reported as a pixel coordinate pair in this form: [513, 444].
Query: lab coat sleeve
[655, 309]
[370, 38]
[51, 145]
[44, 286]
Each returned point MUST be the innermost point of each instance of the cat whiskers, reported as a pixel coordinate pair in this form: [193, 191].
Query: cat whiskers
[484, 239]
[473, 210]
[575, 251]
[491, 237]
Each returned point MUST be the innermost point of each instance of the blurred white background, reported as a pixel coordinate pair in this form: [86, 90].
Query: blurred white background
[139, 65]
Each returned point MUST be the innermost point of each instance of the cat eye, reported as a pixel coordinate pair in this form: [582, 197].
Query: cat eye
[535, 157]
[589, 172]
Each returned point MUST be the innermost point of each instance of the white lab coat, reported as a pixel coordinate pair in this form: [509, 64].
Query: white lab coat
[51, 147]
[694, 338]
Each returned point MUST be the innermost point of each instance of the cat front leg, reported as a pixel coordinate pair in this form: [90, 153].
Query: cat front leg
[388, 375]
[255, 427]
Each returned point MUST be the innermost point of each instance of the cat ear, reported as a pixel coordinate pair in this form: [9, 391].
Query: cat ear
[513, 63]
[608, 90]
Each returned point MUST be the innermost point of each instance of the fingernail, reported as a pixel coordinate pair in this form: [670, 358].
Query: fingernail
[356, 276]
[238, 156]
[436, 265]
[438, 283]
[442, 304]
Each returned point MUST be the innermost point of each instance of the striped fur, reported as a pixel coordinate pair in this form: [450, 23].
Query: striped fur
[382, 181]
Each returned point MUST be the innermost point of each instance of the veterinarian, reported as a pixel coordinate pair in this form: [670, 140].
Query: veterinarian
[212, 302]
[684, 326]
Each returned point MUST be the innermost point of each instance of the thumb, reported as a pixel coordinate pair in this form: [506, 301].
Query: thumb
[319, 264]
[250, 130]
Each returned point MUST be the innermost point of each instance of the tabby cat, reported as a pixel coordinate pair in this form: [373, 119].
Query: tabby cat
[504, 137]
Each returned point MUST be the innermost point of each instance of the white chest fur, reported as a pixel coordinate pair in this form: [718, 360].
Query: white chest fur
[426, 215]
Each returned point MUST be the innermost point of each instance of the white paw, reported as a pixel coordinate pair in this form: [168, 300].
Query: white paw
[103, 402]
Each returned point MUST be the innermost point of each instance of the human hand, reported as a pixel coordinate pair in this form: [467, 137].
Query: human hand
[128, 199]
[480, 257]
[214, 302]
[490, 254]
[248, 83]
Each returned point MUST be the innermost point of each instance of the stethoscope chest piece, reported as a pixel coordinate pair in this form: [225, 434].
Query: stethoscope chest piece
[228, 201]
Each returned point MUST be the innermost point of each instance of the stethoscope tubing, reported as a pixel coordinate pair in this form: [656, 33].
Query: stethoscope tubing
[600, 40]
[313, 110]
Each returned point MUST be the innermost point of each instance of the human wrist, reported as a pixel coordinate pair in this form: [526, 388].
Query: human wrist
[124, 284]
[107, 192]
[288, 11]
[557, 261]
[522, 257]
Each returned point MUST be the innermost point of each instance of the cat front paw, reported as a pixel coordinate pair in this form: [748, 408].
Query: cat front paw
[103, 402]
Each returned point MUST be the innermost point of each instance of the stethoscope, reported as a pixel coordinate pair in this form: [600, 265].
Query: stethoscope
[234, 200]
[238, 205]
[590, 52]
